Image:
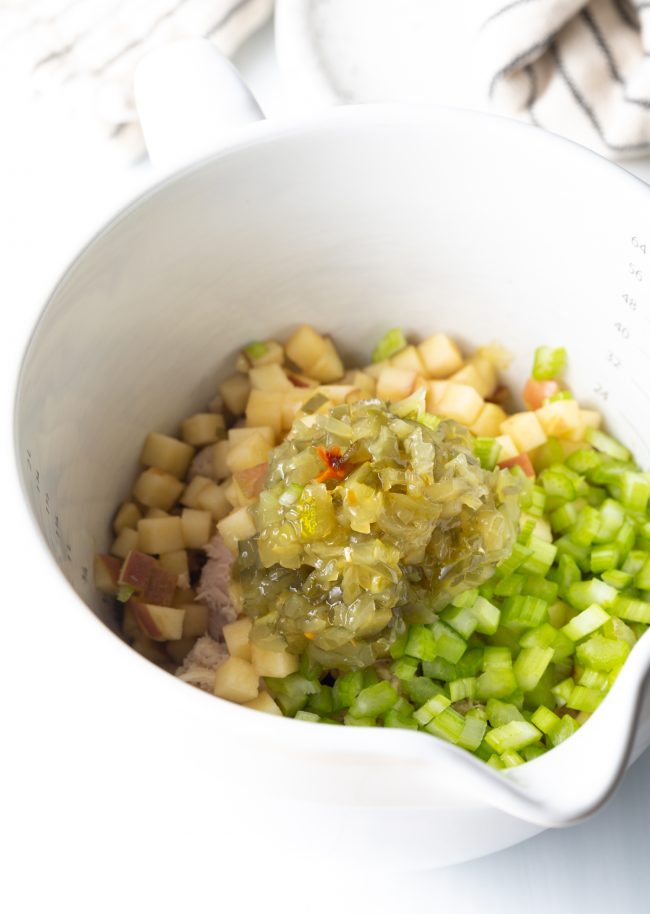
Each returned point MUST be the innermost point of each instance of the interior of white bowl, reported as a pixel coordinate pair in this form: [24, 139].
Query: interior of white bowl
[361, 221]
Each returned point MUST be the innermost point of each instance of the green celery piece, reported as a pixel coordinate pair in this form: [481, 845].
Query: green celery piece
[431, 708]
[529, 753]
[546, 720]
[606, 444]
[495, 684]
[420, 689]
[537, 586]
[256, 350]
[421, 643]
[530, 666]
[466, 598]
[472, 733]
[510, 585]
[533, 500]
[350, 721]
[516, 558]
[461, 618]
[392, 342]
[604, 557]
[635, 491]
[404, 667]
[635, 561]
[618, 579]
[600, 653]
[566, 729]
[321, 702]
[642, 577]
[495, 762]
[501, 712]
[557, 484]
[440, 669]
[524, 612]
[448, 725]
[470, 663]
[487, 451]
[514, 735]
[393, 718]
[585, 623]
[584, 460]
[580, 554]
[631, 610]
[306, 715]
[398, 647]
[593, 679]
[564, 517]
[584, 699]
[449, 644]
[567, 573]
[346, 688]
[583, 593]
[586, 526]
[563, 690]
[543, 556]
[374, 700]
[487, 616]
[369, 676]
[497, 658]
[462, 688]
[548, 362]
[547, 454]
[291, 692]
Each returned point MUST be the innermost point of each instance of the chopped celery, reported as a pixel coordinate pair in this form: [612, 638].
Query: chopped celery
[487, 450]
[514, 735]
[584, 699]
[404, 667]
[606, 444]
[462, 688]
[585, 623]
[530, 666]
[548, 363]
[421, 643]
[392, 342]
[374, 700]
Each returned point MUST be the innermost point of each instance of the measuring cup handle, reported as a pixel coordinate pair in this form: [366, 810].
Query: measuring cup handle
[191, 101]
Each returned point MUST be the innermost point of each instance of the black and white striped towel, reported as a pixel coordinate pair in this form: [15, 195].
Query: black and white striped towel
[577, 67]
[81, 54]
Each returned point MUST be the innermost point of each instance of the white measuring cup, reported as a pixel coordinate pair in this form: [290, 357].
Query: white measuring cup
[355, 220]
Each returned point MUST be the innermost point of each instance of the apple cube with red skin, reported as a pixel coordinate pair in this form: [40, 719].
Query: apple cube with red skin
[521, 460]
[160, 623]
[106, 573]
[160, 587]
[136, 570]
[251, 480]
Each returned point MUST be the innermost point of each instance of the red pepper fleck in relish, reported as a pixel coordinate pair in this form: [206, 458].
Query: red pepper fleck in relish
[337, 468]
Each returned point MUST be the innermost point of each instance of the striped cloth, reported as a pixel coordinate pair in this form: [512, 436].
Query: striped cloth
[81, 54]
[577, 67]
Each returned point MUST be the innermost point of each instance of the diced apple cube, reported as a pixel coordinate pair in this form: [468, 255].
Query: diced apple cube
[329, 366]
[269, 377]
[213, 499]
[488, 423]
[136, 570]
[269, 352]
[292, 403]
[335, 393]
[364, 382]
[127, 540]
[167, 454]
[435, 390]
[156, 488]
[239, 525]
[264, 407]
[149, 649]
[202, 429]
[409, 359]
[196, 485]
[265, 703]
[250, 452]
[251, 480]
[196, 619]
[238, 435]
[156, 512]
[219, 465]
[160, 623]
[128, 515]
[440, 356]
[183, 597]
[589, 418]
[375, 369]
[459, 402]
[197, 527]
[525, 430]
[395, 383]
[560, 418]
[176, 563]
[157, 535]
[160, 587]
[235, 392]
[106, 571]
[236, 635]
[273, 663]
[305, 346]
[236, 680]
[508, 447]
[479, 374]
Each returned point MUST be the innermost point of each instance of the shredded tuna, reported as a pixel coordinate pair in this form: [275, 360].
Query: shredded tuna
[203, 463]
[214, 586]
[202, 662]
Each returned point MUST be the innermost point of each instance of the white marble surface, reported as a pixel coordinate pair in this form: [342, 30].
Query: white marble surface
[54, 188]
